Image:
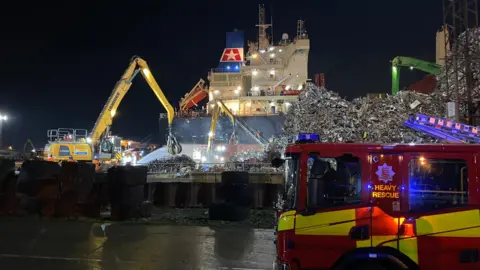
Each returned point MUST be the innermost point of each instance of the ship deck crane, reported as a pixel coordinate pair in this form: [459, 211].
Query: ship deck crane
[104, 121]
[235, 121]
[412, 63]
[220, 106]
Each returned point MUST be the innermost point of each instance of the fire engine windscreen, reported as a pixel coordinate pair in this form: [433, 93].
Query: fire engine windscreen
[291, 180]
[333, 181]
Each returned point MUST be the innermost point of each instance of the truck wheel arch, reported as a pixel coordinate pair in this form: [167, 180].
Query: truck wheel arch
[381, 253]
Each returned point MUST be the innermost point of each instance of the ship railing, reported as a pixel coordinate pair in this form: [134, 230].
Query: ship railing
[225, 70]
[218, 83]
[194, 114]
[258, 93]
[184, 168]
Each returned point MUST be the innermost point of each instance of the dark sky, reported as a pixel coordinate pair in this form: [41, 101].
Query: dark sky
[62, 59]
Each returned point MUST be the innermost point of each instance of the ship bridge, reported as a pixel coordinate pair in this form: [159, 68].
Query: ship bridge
[264, 81]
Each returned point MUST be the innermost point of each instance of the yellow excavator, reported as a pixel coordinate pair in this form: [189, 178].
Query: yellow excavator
[65, 143]
[101, 129]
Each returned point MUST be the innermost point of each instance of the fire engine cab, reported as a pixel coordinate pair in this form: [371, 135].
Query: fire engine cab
[379, 206]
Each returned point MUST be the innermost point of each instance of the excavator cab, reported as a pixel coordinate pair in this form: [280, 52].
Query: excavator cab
[75, 145]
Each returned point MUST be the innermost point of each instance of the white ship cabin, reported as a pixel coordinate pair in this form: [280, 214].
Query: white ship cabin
[268, 79]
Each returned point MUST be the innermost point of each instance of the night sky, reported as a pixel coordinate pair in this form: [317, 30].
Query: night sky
[61, 60]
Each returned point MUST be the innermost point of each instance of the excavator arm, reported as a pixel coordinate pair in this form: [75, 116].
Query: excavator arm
[220, 106]
[104, 121]
[197, 94]
[403, 61]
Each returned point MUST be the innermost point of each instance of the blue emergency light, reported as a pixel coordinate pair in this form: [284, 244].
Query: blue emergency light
[308, 137]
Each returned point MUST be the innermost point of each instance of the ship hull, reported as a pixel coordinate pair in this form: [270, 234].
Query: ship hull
[194, 130]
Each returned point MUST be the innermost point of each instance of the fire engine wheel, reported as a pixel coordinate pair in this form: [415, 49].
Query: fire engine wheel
[371, 265]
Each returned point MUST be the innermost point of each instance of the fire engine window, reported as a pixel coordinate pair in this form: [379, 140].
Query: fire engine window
[437, 183]
[64, 151]
[333, 181]
[291, 178]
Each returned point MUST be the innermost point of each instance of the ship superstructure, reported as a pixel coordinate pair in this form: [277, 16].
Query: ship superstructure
[257, 86]
[267, 78]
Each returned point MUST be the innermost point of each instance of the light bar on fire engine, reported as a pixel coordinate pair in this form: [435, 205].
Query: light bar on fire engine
[307, 137]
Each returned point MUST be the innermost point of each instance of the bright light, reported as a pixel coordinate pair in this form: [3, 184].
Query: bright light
[288, 104]
[222, 158]
[210, 134]
[212, 105]
[288, 87]
[204, 159]
[239, 88]
[411, 68]
[216, 156]
[272, 103]
[271, 48]
[236, 92]
[262, 51]
[146, 72]
[272, 72]
[254, 55]
[280, 50]
[249, 104]
[216, 92]
[89, 140]
[223, 147]
[272, 55]
[3, 117]
[256, 88]
[254, 72]
[300, 87]
[113, 112]
[228, 67]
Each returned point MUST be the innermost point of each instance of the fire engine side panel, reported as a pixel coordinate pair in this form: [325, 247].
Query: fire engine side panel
[386, 181]
[433, 240]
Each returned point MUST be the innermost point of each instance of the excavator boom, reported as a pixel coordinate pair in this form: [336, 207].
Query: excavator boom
[403, 61]
[104, 121]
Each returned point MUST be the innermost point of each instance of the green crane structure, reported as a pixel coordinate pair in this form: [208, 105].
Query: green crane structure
[412, 63]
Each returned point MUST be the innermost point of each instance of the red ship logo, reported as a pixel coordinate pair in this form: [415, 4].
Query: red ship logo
[232, 55]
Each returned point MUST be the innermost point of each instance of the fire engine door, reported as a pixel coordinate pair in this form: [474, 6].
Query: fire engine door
[386, 181]
[324, 228]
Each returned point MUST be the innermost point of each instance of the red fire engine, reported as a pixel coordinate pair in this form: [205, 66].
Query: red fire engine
[378, 206]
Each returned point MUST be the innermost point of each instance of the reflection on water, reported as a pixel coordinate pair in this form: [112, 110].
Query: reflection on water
[83, 245]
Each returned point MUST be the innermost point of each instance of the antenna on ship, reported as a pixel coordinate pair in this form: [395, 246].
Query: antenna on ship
[271, 22]
[263, 42]
[301, 31]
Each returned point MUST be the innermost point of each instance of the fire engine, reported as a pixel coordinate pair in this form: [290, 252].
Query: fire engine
[379, 206]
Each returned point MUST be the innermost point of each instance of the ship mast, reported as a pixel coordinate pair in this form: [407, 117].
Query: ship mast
[263, 42]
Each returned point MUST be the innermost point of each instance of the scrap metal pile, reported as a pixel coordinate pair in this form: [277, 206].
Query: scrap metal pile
[319, 110]
[173, 164]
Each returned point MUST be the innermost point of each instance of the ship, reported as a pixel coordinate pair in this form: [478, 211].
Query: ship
[257, 85]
